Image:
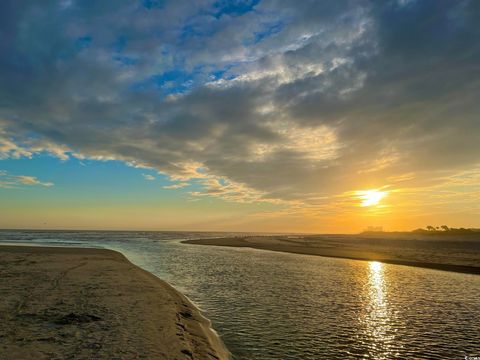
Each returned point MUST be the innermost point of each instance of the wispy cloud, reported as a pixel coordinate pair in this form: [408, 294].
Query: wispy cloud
[176, 186]
[148, 177]
[11, 181]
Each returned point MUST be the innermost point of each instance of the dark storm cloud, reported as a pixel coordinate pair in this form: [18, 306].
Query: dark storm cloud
[290, 101]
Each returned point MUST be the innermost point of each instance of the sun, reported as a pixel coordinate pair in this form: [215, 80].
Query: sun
[370, 197]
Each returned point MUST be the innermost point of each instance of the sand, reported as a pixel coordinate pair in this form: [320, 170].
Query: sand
[459, 253]
[67, 303]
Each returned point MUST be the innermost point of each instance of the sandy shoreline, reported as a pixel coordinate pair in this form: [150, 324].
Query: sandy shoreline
[72, 303]
[459, 254]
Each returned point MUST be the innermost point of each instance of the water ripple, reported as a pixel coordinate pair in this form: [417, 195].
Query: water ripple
[270, 305]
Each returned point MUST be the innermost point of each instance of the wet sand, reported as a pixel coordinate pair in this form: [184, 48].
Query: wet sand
[459, 253]
[68, 303]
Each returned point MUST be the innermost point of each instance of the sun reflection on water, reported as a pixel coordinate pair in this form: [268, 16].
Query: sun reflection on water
[378, 317]
[376, 268]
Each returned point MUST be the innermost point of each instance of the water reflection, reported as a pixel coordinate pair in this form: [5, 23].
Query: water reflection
[378, 317]
[271, 305]
[377, 288]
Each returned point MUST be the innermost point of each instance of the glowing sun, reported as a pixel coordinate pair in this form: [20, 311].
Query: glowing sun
[370, 197]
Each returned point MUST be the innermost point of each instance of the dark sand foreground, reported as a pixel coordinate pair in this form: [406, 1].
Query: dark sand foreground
[66, 303]
[460, 253]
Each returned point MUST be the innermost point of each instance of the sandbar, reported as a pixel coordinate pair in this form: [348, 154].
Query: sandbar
[459, 253]
[73, 303]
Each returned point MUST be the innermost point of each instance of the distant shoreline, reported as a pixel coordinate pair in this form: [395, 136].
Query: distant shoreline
[94, 303]
[421, 253]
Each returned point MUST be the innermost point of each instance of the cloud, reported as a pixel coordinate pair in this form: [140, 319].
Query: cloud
[12, 181]
[148, 177]
[176, 186]
[32, 180]
[278, 102]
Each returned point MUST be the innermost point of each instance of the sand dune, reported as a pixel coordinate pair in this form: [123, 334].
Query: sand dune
[65, 303]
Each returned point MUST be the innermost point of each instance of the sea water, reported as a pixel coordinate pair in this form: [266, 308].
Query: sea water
[270, 305]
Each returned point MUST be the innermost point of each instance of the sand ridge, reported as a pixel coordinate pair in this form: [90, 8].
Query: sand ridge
[450, 253]
[69, 303]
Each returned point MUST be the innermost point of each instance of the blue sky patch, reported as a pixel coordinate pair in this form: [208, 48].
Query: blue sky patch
[153, 4]
[83, 42]
[234, 8]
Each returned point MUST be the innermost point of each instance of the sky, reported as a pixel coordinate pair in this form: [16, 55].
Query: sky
[260, 115]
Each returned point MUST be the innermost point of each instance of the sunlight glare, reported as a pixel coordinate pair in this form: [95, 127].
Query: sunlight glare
[375, 266]
[370, 197]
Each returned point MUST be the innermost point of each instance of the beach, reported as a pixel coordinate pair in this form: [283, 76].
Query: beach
[459, 253]
[76, 303]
